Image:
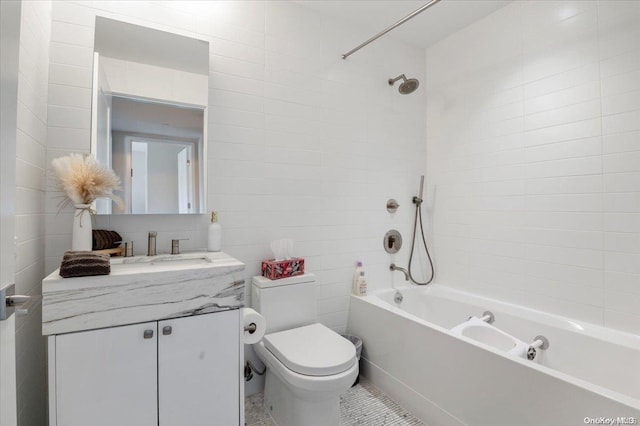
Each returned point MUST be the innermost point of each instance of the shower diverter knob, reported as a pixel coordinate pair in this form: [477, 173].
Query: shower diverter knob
[392, 241]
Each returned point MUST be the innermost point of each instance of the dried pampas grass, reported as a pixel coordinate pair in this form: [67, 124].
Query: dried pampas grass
[84, 179]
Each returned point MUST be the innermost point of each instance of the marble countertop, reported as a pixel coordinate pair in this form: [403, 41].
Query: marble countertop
[141, 289]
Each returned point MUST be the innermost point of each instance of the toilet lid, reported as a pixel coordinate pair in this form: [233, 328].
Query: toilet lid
[313, 350]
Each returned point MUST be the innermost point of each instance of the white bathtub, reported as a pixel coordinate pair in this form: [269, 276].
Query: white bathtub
[588, 373]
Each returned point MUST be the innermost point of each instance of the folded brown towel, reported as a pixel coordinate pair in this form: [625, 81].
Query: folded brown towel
[104, 239]
[84, 263]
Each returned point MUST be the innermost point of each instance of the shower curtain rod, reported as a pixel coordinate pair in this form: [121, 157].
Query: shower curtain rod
[397, 24]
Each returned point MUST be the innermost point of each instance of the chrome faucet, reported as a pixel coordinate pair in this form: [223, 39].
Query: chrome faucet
[151, 244]
[393, 267]
[175, 245]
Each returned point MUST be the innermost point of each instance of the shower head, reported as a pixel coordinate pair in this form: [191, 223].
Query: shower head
[407, 86]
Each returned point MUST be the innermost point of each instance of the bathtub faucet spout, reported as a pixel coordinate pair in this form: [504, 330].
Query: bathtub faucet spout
[394, 267]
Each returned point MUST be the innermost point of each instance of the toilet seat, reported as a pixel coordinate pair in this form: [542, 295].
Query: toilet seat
[312, 350]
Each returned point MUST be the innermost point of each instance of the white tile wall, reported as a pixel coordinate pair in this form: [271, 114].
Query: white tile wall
[31, 142]
[533, 150]
[302, 144]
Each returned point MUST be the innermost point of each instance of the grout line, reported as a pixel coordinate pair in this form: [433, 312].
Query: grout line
[602, 271]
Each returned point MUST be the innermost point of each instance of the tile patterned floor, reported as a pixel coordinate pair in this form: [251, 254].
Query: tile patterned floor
[362, 405]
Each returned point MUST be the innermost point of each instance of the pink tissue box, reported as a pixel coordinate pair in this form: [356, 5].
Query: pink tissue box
[276, 269]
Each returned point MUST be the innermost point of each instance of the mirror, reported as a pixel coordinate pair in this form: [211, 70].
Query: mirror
[149, 115]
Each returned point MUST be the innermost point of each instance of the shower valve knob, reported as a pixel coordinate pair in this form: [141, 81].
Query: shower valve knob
[392, 241]
[392, 205]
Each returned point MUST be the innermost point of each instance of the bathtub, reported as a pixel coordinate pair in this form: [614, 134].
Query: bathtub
[587, 375]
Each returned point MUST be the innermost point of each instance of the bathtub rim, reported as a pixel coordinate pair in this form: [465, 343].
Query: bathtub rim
[611, 335]
[632, 340]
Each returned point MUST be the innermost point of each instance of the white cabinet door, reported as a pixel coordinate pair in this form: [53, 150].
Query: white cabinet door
[199, 370]
[107, 377]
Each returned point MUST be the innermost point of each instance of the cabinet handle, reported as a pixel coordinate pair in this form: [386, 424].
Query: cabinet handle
[166, 330]
[148, 334]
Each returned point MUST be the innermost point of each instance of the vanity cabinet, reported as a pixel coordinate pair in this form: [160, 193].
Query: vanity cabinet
[199, 370]
[174, 372]
[158, 341]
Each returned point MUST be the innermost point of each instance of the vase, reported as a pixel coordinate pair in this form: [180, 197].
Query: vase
[81, 237]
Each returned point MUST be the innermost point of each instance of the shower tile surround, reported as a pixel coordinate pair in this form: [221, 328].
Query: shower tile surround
[533, 146]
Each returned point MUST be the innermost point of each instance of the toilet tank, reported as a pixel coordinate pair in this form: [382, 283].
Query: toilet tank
[285, 303]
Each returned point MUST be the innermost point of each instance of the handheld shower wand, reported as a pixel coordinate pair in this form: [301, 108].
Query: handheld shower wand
[417, 200]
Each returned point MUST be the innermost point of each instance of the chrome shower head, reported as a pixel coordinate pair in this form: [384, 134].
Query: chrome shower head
[407, 86]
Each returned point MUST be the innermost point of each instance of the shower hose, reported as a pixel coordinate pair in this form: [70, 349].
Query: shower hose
[418, 202]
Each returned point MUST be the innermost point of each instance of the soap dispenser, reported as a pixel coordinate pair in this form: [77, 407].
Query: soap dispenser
[214, 243]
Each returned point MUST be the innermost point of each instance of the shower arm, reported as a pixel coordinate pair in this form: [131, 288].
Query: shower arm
[400, 77]
[397, 24]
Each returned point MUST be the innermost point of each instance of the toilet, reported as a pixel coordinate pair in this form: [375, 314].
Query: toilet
[308, 364]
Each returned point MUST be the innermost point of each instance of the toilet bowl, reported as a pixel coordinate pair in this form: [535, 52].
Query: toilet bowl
[305, 378]
[308, 364]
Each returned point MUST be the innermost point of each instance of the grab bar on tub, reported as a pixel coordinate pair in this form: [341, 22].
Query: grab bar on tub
[539, 342]
[487, 316]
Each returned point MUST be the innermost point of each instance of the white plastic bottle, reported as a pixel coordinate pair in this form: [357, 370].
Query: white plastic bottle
[362, 285]
[214, 242]
[356, 276]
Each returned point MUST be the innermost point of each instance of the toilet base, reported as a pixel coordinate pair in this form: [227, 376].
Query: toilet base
[303, 408]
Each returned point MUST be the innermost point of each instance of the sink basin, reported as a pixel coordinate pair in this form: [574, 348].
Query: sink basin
[163, 262]
[157, 265]
[195, 257]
